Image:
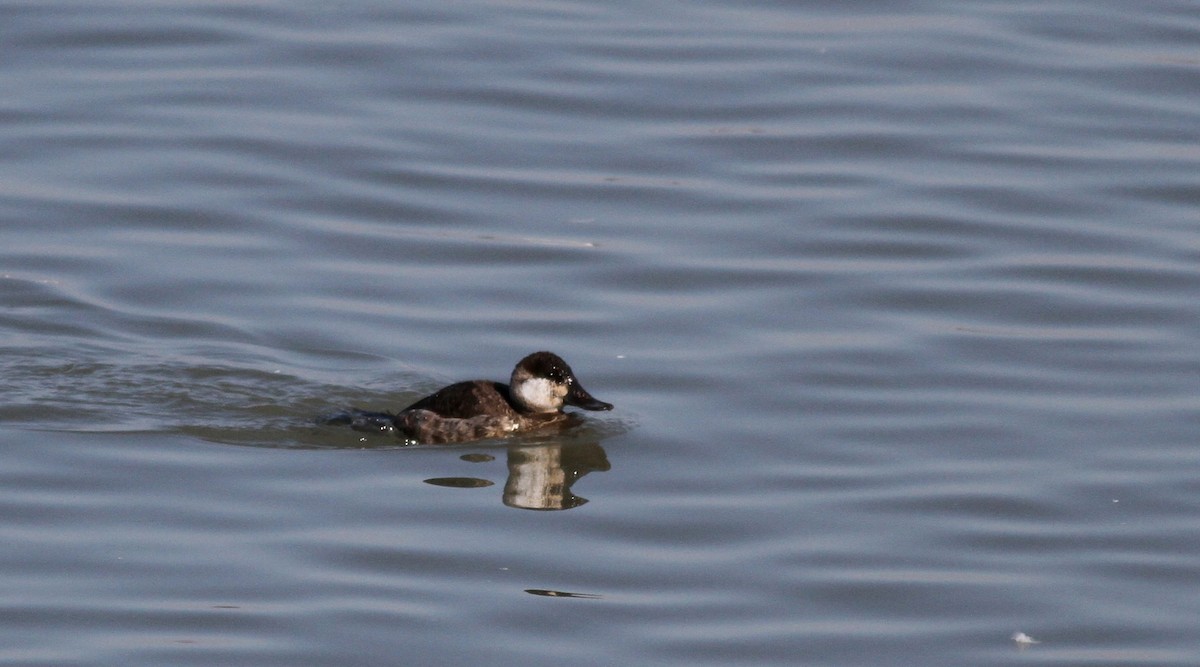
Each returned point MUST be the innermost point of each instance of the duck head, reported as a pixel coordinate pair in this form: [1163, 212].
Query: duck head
[542, 382]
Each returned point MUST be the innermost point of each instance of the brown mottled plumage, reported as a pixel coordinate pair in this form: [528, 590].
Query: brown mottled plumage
[541, 385]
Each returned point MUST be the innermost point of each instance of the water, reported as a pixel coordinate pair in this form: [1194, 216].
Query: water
[896, 304]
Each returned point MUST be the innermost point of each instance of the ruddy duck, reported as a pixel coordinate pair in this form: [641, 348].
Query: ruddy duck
[533, 400]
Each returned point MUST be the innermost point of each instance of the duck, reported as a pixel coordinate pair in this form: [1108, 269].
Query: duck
[540, 386]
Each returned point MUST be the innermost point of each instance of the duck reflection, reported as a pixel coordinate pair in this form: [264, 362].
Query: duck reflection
[539, 476]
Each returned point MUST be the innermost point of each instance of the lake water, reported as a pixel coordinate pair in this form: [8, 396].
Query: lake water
[898, 304]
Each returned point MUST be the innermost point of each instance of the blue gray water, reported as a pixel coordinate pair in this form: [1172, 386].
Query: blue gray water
[897, 304]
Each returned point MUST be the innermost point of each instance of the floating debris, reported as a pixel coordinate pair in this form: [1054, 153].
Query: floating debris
[562, 594]
[460, 482]
[1023, 639]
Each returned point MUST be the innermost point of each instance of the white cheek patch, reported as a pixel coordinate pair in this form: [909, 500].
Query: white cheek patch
[539, 395]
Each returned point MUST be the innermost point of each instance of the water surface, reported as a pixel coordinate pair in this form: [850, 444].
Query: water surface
[896, 304]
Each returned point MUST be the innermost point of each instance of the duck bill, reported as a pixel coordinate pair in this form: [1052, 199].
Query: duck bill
[579, 397]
